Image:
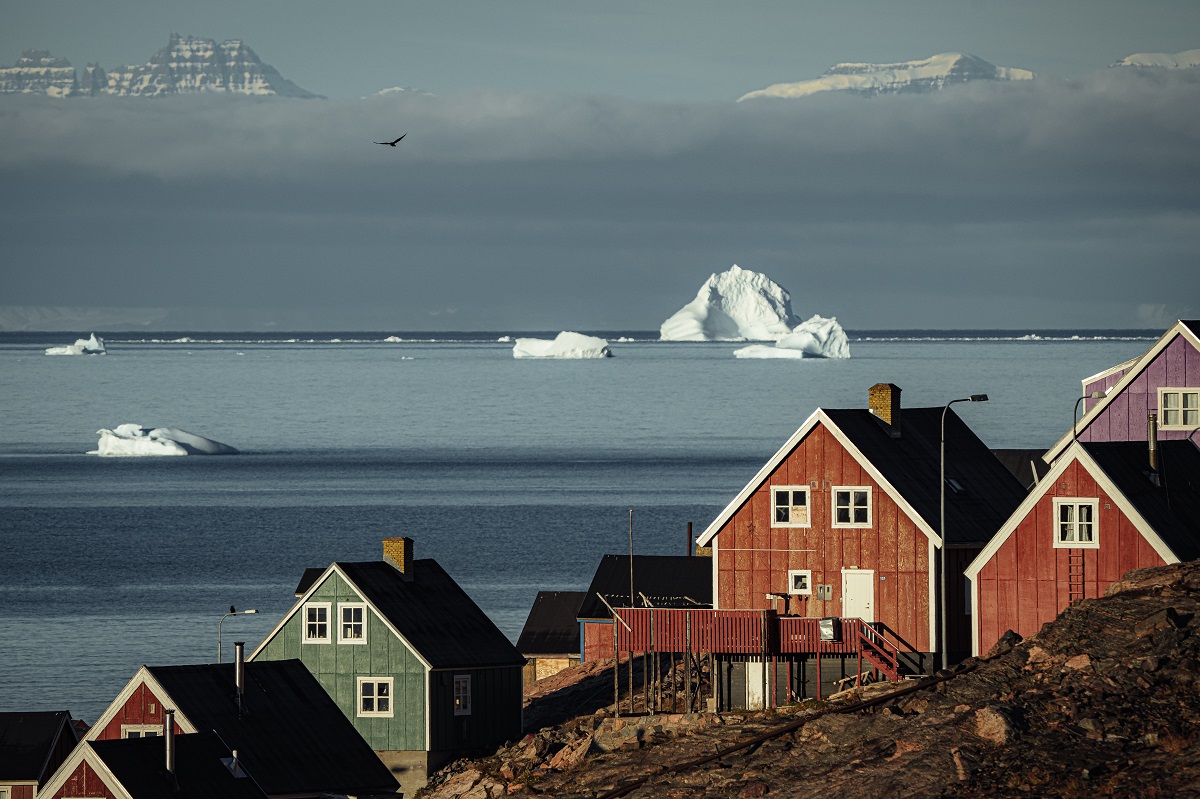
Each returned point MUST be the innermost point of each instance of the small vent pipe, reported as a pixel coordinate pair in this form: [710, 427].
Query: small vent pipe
[239, 672]
[169, 740]
[1152, 440]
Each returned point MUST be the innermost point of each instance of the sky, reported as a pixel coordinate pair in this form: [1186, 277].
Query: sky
[586, 166]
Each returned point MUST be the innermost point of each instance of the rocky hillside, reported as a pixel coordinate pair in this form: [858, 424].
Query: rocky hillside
[1105, 701]
[184, 66]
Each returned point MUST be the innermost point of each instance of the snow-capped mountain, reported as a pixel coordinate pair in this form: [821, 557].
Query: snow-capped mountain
[927, 75]
[1189, 59]
[184, 66]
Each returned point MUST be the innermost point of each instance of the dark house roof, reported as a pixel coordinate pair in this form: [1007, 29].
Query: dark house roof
[139, 764]
[28, 742]
[289, 733]
[433, 614]
[1025, 464]
[552, 627]
[310, 576]
[1172, 507]
[668, 581]
[980, 492]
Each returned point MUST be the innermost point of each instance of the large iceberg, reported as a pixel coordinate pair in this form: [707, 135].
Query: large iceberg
[817, 337]
[565, 345]
[734, 305]
[82, 346]
[133, 440]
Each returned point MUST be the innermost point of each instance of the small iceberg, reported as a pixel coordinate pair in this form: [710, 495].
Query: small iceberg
[564, 345]
[133, 440]
[817, 337]
[82, 346]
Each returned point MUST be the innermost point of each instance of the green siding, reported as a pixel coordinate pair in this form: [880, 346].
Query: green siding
[338, 666]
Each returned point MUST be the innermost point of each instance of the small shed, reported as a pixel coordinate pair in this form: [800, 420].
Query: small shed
[550, 639]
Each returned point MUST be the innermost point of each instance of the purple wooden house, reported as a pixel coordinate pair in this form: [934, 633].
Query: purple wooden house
[1165, 381]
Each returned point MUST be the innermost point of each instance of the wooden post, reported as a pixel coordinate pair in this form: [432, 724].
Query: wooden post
[616, 672]
[687, 666]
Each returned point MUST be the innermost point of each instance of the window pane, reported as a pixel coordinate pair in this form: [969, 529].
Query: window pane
[860, 515]
[782, 514]
[799, 497]
[860, 498]
[843, 515]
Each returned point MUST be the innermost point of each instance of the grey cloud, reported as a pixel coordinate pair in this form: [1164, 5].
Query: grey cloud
[993, 205]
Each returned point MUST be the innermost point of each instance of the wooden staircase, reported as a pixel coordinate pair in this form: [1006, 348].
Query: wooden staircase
[883, 655]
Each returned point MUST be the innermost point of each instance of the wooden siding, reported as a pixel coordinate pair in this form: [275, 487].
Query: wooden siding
[19, 791]
[597, 640]
[84, 781]
[1025, 583]
[496, 699]
[754, 557]
[338, 666]
[1124, 419]
[142, 707]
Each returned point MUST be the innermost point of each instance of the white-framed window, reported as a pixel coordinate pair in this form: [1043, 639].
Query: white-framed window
[800, 581]
[462, 694]
[316, 622]
[141, 730]
[375, 696]
[1075, 523]
[352, 624]
[851, 506]
[789, 506]
[1178, 408]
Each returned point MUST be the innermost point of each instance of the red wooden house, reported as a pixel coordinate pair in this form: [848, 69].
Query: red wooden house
[844, 521]
[1103, 509]
[32, 746]
[1165, 381]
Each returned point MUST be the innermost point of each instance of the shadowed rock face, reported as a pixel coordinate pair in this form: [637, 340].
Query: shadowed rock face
[1103, 701]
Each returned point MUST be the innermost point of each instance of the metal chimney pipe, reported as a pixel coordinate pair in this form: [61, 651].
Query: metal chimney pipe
[169, 739]
[239, 671]
[1152, 440]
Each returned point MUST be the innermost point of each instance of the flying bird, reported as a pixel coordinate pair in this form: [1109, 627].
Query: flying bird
[392, 143]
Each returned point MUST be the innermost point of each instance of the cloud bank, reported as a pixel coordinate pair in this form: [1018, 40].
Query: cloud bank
[1051, 204]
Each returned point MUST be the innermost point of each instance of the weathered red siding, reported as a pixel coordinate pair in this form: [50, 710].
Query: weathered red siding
[754, 558]
[1025, 584]
[22, 792]
[84, 781]
[597, 641]
[143, 707]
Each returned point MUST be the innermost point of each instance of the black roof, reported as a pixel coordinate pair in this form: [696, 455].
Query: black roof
[1172, 507]
[669, 581]
[290, 734]
[139, 764]
[553, 626]
[983, 493]
[27, 740]
[310, 576]
[434, 614]
[1025, 464]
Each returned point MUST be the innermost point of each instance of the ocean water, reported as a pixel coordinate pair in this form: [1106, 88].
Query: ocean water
[515, 475]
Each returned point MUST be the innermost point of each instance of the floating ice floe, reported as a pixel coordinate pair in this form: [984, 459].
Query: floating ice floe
[817, 337]
[734, 305]
[564, 345]
[82, 346]
[133, 440]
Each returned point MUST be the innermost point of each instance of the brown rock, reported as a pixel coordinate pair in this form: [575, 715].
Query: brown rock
[992, 725]
[753, 789]
[1078, 662]
[1165, 619]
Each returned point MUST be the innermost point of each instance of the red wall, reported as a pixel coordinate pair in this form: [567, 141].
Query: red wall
[143, 707]
[22, 792]
[750, 561]
[84, 782]
[597, 641]
[1024, 584]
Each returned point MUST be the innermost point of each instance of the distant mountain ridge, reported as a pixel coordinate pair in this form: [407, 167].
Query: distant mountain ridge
[1189, 59]
[184, 66]
[923, 76]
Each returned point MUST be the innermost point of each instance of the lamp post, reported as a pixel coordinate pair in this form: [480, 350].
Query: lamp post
[232, 612]
[944, 638]
[1075, 413]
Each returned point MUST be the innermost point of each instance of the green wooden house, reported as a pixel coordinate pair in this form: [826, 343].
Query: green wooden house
[417, 667]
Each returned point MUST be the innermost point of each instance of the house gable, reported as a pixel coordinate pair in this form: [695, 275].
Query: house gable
[752, 558]
[1173, 361]
[1021, 580]
[337, 666]
[83, 774]
[141, 703]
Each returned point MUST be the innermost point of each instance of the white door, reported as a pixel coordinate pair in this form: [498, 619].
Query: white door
[858, 594]
[754, 685]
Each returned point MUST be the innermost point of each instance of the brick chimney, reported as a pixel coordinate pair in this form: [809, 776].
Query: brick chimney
[883, 400]
[399, 553]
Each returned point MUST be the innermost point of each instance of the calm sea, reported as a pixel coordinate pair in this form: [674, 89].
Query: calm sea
[515, 475]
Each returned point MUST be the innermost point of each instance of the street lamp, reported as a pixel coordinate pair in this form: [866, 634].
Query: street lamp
[232, 612]
[1075, 413]
[942, 525]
